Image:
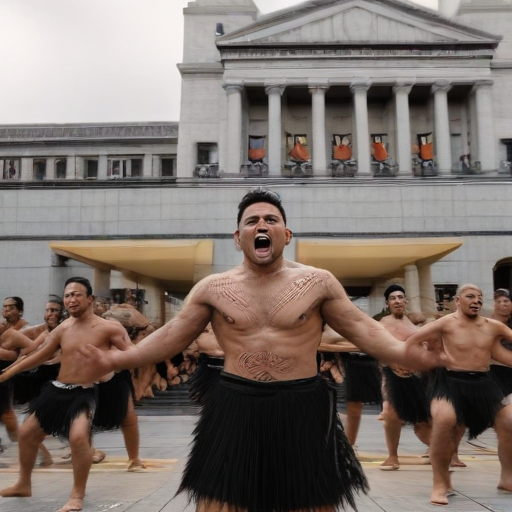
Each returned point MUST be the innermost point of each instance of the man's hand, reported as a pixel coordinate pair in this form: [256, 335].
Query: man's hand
[90, 363]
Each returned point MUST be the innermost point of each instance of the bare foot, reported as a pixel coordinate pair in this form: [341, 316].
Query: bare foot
[73, 505]
[17, 491]
[439, 497]
[136, 465]
[390, 464]
[502, 487]
[46, 458]
[98, 456]
[457, 463]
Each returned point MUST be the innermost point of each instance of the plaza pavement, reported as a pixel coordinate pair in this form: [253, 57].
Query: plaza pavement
[164, 446]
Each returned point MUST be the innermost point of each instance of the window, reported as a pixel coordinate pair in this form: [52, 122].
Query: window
[123, 167]
[207, 153]
[11, 169]
[39, 172]
[60, 168]
[167, 165]
[90, 169]
[444, 297]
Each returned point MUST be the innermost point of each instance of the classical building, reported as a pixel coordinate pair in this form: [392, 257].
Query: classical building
[385, 127]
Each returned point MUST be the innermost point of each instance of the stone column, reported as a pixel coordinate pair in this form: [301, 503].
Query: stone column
[403, 127]
[464, 129]
[147, 166]
[50, 168]
[79, 168]
[27, 169]
[318, 90]
[412, 288]
[70, 167]
[102, 167]
[427, 292]
[442, 135]
[234, 131]
[485, 125]
[362, 138]
[101, 283]
[128, 170]
[156, 166]
[274, 92]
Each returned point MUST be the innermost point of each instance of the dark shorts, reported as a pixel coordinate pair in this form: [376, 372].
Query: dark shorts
[113, 400]
[407, 395]
[5, 390]
[362, 378]
[206, 377]
[56, 408]
[272, 446]
[475, 397]
[502, 375]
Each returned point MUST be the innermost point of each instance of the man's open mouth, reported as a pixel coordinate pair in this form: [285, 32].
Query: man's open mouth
[261, 242]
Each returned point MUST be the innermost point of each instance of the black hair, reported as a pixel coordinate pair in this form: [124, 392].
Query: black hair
[80, 280]
[393, 288]
[260, 195]
[18, 301]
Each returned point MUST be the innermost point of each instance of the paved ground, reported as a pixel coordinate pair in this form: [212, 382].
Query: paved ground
[164, 447]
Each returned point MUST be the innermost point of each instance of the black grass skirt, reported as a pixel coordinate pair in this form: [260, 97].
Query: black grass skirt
[475, 396]
[206, 376]
[27, 385]
[362, 378]
[113, 399]
[502, 375]
[56, 408]
[5, 390]
[408, 396]
[272, 447]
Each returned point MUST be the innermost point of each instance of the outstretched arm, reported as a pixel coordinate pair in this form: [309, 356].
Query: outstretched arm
[35, 359]
[162, 344]
[15, 340]
[333, 342]
[368, 334]
[8, 355]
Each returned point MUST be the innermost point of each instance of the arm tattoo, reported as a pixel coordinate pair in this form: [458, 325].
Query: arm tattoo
[263, 366]
[295, 291]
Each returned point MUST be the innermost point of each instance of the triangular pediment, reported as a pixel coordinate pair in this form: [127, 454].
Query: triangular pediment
[347, 22]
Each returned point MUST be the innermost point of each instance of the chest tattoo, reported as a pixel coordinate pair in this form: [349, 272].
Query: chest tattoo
[295, 291]
[263, 366]
[233, 293]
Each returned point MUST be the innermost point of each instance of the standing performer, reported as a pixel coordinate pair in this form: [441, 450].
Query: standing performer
[463, 392]
[362, 379]
[209, 367]
[65, 407]
[115, 397]
[268, 318]
[405, 391]
[502, 313]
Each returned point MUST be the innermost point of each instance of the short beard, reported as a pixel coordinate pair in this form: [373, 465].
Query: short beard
[399, 316]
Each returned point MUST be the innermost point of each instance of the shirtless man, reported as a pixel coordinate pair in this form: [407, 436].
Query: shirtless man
[12, 311]
[464, 393]
[405, 393]
[267, 318]
[502, 312]
[362, 378]
[65, 407]
[209, 367]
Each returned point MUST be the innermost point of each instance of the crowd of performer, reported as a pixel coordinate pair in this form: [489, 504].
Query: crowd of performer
[450, 375]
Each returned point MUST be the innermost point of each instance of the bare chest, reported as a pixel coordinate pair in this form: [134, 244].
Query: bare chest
[277, 303]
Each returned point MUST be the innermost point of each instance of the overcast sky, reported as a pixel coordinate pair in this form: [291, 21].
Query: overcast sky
[67, 61]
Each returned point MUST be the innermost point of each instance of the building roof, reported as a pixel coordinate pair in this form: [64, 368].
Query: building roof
[87, 132]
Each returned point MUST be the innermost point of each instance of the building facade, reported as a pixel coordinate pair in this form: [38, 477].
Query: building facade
[385, 127]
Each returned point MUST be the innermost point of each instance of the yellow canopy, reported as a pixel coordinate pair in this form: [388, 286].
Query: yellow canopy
[181, 263]
[372, 258]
